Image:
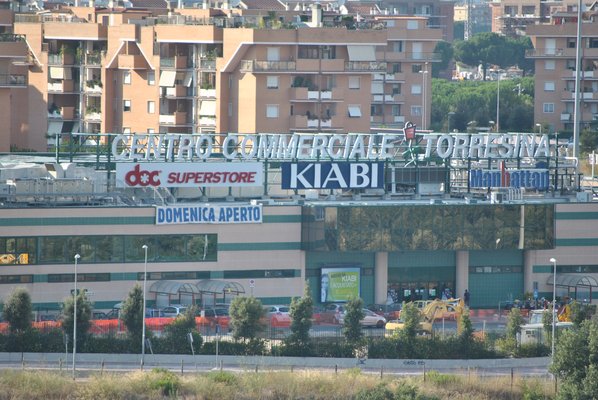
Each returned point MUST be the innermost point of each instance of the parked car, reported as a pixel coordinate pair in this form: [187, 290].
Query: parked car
[154, 313]
[278, 316]
[174, 310]
[370, 319]
[331, 313]
[214, 316]
[99, 315]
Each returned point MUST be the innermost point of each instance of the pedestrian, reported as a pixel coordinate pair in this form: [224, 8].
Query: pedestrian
[466, 298]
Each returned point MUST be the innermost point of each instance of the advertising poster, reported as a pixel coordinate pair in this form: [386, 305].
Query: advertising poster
[339, 284]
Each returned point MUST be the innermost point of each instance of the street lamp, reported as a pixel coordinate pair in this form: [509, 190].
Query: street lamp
[424, 72]
[553, 261]
[450, 115]
[539, 127]
[498, 102]
[77, 257]
[144, 247]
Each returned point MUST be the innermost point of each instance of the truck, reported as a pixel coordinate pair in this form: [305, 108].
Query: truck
[432, 311]
[534, 333]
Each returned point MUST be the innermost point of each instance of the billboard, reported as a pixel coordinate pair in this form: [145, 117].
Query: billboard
[339, 284]
[199, 174]
[209, 214]
[333, 175]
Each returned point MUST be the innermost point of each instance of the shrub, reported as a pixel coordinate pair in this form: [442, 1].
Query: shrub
[167, 382]
[223, 377]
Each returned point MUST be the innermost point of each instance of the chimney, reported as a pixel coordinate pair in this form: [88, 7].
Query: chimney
[316, 15]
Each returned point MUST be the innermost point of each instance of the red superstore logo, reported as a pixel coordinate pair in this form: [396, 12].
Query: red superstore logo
[139, 177]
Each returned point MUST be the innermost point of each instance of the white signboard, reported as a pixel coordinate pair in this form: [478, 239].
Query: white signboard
[199, 174]
[209, 214]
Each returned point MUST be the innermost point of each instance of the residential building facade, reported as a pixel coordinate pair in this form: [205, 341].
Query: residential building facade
[209, 71]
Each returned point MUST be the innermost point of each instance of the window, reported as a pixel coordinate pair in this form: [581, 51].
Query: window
[416, 111]
[416, 68]
[416, 89]
[397, 47]
[412, 24]
[151, 130]
[272, 111]
[396, 68]
[126, 105]
[273, 54]
[354, 111]
[549, 65]
[127, 77]
[548, 108]
[396, 88]
[571, 43]
[396, 110]
[151, 107]
[593, 43]
[354, 82]
[151, 78]
[549, 86]
[272, 82]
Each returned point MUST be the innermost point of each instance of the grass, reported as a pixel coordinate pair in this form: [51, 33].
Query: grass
[223, 385]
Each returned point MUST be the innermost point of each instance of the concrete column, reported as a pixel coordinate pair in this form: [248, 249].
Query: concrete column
[381, 277]
[528, 271]
[462, 272]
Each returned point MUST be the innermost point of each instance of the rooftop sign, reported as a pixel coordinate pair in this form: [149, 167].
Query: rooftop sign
[184, 148]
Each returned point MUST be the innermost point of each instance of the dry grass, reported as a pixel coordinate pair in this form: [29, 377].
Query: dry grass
[312, 385]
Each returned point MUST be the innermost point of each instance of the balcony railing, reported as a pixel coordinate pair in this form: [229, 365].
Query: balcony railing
[11, 37]
[257, 66]
[13, 80]
[365, 66]
[207, 64]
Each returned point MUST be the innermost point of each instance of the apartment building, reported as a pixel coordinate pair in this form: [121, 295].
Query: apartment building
[511, 17]
[213, 70]
[13, 81]
[554, 54]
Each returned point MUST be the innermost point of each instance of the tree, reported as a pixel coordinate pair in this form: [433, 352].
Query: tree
[246, 315]
[176, 334]
[514, 322]
[489, 48]
[575, 362]
[352, 322]
[588, 141]
[17, 310]
[301, 322]
[84, 308]
[132, 315]
[445, 49]
[411, 318]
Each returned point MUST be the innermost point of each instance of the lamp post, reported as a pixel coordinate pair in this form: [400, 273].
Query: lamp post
[77, 257]
[450, 115]
[539, 127]
[498, 102]
[144, 247]
[424, 72]
[553, 261]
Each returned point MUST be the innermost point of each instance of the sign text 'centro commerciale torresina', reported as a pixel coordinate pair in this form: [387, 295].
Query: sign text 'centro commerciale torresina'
[183, 147]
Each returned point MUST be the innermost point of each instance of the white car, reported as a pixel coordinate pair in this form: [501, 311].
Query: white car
[370, 319]
[174, 310]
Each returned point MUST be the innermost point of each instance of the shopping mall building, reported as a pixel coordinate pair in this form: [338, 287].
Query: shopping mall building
[386, 217]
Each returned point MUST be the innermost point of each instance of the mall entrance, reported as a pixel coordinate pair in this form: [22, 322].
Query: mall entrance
[420, 283]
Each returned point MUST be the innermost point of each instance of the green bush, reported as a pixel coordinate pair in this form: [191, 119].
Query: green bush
[109, 344]
[533, 350]
[167, 382]
[225, 377]
[380, 392]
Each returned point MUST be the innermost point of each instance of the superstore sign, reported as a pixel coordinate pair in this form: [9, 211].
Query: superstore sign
[180, 147]
[216, 174]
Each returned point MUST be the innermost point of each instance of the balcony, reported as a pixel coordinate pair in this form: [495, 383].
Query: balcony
[565, 117]
[207, 65]
[61, 59]
[176, 91]
[303, 122]
[178, 118]
[267, 66]
[176, 62]
[207, 93]
[66, 86]
[93, 59]
[12, 80]
[207, 121]
[365, 66]
[304, 94]
[93, 115]
[93, 87]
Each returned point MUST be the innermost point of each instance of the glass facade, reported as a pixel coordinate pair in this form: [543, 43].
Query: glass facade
[108, 249]
[426, 227]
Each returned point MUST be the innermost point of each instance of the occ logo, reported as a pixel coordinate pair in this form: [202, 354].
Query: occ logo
[136, 177]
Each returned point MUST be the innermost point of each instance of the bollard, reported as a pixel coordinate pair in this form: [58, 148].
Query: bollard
[256, 368]
[181, 367]
[60, 364]
[424, 372]
[511, 379]
[335, 368]
[381, 372]
[102, 368]
[221, 365]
